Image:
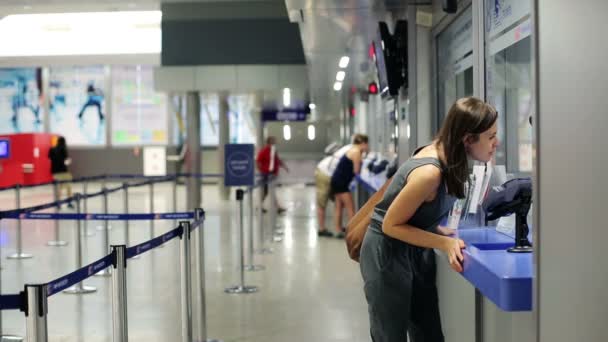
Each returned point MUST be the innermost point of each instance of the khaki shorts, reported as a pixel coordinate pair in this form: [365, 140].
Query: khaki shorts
[62, 176]
[323, 185]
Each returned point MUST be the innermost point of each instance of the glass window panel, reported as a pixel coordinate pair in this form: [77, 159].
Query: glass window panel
[508, 79]
[139, 113]
[77, 104]
[454, 63]
[21, 108]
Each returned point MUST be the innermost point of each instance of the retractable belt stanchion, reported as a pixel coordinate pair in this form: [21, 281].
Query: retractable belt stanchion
[152, 209]
[251, 266]
[104, 188]
[261, 227]
[86, 210]
[105, 240]
[242, 288]
[119, 295]
[57, 242]
[276, 234]
[36, 313]
[79, 288]
[4, 337]
[186, 282]
[199, 215]
[19, 254]
[174, 188]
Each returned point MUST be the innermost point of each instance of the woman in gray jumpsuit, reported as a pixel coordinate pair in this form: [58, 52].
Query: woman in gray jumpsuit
[397, 260]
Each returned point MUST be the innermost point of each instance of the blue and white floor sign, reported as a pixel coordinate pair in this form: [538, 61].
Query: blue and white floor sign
[239, 165]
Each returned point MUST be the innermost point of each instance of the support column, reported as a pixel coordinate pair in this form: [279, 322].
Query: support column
[258, 101]
[224, 139]
[193, 141]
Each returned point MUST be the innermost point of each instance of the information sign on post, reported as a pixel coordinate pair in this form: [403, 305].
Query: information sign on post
[155, 161]
[239, 165]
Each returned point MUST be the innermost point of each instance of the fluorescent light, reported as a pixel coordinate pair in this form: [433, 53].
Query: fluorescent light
[72, 34]
[408, 131]
[286, 97]
[340, 76]
[286, 132]
[312, 106]
[311, 132]
[344, 62]
[338, 86]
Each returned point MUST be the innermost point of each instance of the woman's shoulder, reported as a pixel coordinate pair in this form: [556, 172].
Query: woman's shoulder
[428, 174]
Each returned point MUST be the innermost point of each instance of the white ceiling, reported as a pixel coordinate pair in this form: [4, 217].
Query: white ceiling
[329, 29]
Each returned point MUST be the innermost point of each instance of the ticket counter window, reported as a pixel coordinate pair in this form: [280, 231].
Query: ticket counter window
[509, 79]
[454, 63]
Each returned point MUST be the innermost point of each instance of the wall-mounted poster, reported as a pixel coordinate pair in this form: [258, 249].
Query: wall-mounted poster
[139, 113]
[77, 104]
[21, 100]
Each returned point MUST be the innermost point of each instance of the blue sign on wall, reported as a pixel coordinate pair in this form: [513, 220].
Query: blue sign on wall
[239, 165]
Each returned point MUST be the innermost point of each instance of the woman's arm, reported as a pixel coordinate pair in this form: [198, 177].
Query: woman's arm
[421, 184]
[363, 215]
[356, 158]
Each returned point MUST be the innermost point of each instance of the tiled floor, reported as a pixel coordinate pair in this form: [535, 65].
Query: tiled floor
[310, 290]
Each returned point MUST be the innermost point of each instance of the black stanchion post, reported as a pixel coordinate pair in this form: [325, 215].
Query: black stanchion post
[105, 240]
[186, 282]
[242, 288]
[19, 232]
[119, 295]
[79, 288]
[251, 266]
[36, 313]
[57, 242]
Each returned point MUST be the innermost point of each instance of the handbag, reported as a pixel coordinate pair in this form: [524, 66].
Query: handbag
[357, 226]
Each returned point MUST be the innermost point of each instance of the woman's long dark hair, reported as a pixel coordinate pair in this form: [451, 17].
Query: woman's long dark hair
[61, 145]
[468, 116]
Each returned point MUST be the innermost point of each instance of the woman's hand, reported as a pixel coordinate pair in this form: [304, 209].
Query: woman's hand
[446, 231]
[453, 248]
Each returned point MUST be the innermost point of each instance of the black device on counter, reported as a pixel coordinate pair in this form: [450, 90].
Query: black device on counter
[513, 197]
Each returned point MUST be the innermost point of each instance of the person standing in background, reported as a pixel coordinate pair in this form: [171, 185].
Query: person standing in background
[269, 163]
[323, 173]
[348, 166]
[59, 167]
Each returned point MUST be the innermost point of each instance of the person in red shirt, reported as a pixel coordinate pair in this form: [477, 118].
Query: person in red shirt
[268, 163]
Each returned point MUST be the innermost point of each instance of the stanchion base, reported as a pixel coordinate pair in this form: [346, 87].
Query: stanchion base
[102, 228]
[241, 289]
[265, 251]
[10, 338]
[80, 289]
[254, 268]
[57, 243]
[277, 238]
[103, 273]
[20, 256]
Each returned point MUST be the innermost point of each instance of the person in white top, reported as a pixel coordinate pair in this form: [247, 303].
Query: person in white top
[323, 172]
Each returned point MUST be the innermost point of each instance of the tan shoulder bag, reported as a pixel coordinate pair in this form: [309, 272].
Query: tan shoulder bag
[357, 226]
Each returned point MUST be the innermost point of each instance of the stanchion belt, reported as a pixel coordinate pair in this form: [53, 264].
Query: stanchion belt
[151, 244]
[77, 276]
[10, 302]
[100, 217]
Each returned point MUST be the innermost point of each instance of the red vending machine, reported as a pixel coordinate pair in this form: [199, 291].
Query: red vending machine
[24, 158]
